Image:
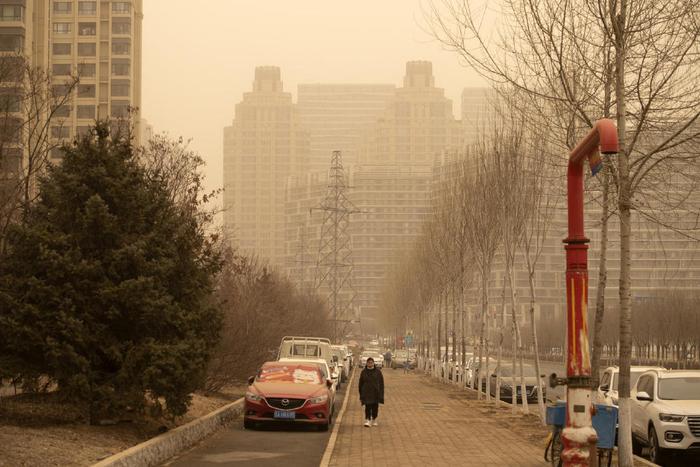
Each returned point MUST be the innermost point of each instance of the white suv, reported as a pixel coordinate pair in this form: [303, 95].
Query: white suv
[609, 380]
[666, 411]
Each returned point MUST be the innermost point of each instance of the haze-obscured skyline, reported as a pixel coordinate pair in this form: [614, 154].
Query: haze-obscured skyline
[199, 61]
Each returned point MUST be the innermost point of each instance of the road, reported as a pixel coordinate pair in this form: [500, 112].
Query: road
[264, 447]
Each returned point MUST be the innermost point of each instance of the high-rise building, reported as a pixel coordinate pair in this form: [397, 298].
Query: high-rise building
[417, 124]
[336, 116]
[97, 41]
[477, 111]
[264, 146]
[389, 187]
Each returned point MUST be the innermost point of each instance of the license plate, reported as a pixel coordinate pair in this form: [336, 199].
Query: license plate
[284, 415]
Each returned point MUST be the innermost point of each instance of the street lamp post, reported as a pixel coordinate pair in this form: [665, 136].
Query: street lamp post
[579, 437]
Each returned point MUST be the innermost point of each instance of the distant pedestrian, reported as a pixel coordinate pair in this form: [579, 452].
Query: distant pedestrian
[387, 358]
[371, 391]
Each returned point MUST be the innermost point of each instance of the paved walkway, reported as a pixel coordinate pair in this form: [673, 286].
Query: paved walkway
[424, 423]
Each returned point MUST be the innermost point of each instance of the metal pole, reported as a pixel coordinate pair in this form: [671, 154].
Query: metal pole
[579, 437]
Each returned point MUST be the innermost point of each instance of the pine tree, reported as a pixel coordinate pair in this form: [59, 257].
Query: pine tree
[106, 285]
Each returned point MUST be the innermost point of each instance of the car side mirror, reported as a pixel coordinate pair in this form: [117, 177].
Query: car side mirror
[643, 396]
[251, 380]
[605, 388]
[329, 383]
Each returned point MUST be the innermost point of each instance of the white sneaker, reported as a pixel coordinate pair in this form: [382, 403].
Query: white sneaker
[375, 422]
[368, 422]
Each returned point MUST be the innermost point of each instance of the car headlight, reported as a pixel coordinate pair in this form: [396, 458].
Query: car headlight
[319, 399]
[667, 417]
[251, 396]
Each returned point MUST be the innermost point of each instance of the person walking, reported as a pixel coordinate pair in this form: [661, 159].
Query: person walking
[387, 359]
[371, 387]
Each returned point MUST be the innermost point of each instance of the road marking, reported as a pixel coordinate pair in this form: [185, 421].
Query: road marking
[240, 456]
[326, 459]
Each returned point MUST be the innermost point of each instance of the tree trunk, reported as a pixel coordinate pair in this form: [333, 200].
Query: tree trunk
[624, 207]
[501, 332]
[535, 348]
[482, 328]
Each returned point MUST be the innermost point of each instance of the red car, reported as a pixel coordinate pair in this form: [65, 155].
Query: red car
[290, 392]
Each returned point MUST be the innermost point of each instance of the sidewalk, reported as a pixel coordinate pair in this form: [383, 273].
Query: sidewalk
[424, 423]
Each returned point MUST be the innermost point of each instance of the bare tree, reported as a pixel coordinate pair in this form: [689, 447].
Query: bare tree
[32, 108]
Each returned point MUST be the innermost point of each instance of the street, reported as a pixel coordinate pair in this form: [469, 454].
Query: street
[296, 446]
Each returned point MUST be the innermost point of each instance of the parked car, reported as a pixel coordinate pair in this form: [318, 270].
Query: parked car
[322, 365]
[530, 378]
[305, 347]
[609, 380]
[376, 356]
[666, 411]
[289, 392]
[401, 358]
[340, 355]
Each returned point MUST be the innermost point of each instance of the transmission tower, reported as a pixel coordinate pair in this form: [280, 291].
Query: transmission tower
[334, 267]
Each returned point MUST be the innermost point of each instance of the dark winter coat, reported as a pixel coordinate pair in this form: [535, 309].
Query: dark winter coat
[371, 386]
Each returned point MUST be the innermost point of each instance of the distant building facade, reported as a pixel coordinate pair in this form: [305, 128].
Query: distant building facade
[263, 147]
[336, 115]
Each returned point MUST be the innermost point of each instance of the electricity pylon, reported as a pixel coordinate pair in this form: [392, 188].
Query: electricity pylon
[334, 267]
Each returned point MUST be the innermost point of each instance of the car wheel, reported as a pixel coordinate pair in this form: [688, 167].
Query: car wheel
[656, 454]
[248, 424]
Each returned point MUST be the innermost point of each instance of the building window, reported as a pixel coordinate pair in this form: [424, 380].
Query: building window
[61, 69]
[86, 90]
[82, 131]
[61, 90]
[120, 68]
[62, 28]
[121, 47]
[121, 7]
[62, 111]
[87, 70]
[11, 43]
[120, 88]
[120, 109]
[11, 13]
[86, 111]
[87, 8]
[61, 49]
[62, 8]
[121, 26]
[10, 160]
[60, 132]
[87, 29]
[57, 154]
[87, 49]
[9, 102]
[10, 129]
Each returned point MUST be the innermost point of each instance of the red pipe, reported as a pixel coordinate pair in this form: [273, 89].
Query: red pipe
[579, 436]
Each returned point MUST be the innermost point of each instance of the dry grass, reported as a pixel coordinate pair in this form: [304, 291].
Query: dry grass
[41, 430]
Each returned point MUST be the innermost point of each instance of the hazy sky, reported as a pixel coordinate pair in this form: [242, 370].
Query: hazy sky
[199, 56]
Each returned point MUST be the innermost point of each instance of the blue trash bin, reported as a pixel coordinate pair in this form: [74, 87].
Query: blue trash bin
[604, 422]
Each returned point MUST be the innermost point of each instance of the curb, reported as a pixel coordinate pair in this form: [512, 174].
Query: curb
[166, 446]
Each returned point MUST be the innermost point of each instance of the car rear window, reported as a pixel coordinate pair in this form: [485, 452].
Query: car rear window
[306, 350]
[299, 374]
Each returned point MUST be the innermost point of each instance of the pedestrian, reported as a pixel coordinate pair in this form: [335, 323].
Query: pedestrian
[371, 391]
[387, 358]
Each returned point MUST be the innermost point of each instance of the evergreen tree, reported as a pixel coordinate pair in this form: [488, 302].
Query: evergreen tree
[106, 285]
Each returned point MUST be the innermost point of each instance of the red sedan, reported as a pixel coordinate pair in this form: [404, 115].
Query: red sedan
[291, 392]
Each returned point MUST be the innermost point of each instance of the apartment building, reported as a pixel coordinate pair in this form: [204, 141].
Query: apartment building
[264, 145]
[336, 115]
[97, 41]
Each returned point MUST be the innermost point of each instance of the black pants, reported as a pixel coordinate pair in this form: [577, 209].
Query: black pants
[371, 411]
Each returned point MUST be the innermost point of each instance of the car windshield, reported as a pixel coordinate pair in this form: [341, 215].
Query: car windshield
[293, 373]
[528, 371]
[634, 376]
[682, 389]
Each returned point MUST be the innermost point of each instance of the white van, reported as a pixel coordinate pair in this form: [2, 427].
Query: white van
[299, 347]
